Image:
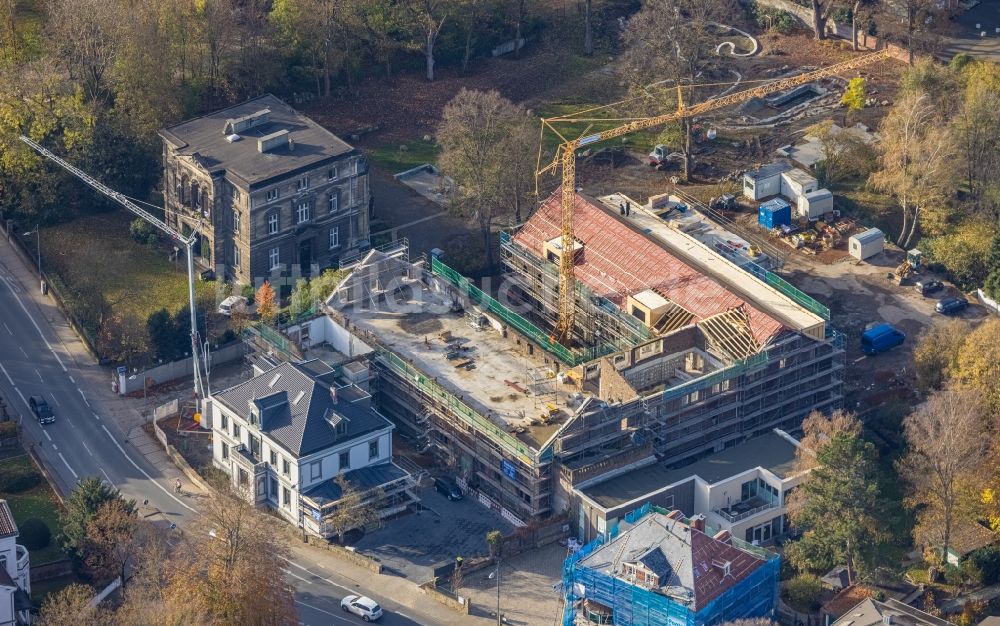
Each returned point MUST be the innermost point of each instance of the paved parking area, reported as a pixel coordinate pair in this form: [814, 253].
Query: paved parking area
[410, 545]
[530, 590]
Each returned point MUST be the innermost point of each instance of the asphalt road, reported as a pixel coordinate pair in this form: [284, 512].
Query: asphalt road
[84, 442]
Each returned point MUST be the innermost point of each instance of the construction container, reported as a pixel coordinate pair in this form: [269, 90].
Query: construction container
[815, 204]
[774, 213]
[765, 181]
[866, 244]
[796, 183]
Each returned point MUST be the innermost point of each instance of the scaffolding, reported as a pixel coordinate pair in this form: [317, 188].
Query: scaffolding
[600, 323]
[632, 605]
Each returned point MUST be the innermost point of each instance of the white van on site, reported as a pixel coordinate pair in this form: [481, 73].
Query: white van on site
[232, 303]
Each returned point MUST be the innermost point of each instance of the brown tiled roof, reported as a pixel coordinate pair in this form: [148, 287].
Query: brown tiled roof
[969, 536]
[617, 260]
[847, 599]
[8, 527]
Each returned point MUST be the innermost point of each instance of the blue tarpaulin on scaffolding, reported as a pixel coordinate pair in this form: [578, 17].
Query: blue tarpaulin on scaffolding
[633, 605]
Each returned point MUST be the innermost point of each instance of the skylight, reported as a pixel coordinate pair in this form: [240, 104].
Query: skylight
[274, 380]
[299, 397]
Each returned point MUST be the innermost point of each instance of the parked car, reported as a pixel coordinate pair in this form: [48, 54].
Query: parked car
[448, 488]
[43, 413]
[362, 606]
[232, 303]
[929, 286]
[950, 306]
[880, 338]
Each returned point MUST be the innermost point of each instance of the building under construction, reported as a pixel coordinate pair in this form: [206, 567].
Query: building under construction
[677, 351]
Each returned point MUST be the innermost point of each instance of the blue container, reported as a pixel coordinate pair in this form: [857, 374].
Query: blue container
[774, 213]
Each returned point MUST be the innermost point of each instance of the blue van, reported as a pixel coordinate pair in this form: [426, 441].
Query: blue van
[880, 338]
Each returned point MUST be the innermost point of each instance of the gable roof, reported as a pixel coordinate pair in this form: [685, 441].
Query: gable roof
[870, 613]
[692, 559]
[8, 527]
[618, 260]
[299, 408]
[968, 536]
[204, 139]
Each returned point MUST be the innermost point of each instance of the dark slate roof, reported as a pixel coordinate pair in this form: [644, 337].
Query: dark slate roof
[362, 479]
[693, 558]
[298, 411]
[8, 528]
[205, 139]
[656, 562]
[5, 579]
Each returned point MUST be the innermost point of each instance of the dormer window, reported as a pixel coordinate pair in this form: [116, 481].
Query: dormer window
[254, 418]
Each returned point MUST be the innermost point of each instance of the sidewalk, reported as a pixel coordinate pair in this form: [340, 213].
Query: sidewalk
[95, 380]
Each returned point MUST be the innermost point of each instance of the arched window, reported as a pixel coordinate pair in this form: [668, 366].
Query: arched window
[195, 195]
[182, 191]
[203, 204]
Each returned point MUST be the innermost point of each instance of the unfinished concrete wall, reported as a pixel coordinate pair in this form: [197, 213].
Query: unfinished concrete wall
[612, 386]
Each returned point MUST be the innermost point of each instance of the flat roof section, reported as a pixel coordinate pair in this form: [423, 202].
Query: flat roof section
[204, 138]
[771, 452]
[480, 367]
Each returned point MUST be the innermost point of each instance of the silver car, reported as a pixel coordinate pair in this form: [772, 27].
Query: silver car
[362, 606]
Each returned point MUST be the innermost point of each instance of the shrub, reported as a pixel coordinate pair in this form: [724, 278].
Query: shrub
[34, 533]
[8, 429]
[987, 561]
[803, 592]
[143, 232]
[18, 479]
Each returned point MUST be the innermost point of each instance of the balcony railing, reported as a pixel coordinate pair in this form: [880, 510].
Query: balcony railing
[740, 510]
[22, 558]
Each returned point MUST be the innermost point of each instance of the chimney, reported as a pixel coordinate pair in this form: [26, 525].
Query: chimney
[887, 619]
[291, 144]
[698, 522]
[675, 515]
[269, 143]
[723, 536]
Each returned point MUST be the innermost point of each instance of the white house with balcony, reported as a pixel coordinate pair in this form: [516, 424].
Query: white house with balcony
[743, 489]
[285, 435]
[15, 573]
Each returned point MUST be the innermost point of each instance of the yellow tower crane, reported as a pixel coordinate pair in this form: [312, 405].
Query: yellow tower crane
[565, 156]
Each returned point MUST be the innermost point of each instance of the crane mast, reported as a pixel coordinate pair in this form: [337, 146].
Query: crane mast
[188, 241]
[565, 156]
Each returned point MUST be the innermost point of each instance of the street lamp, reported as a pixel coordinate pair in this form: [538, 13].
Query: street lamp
[38, 249]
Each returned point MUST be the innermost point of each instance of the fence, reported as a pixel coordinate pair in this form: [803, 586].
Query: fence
[176, 369]
[782, 285]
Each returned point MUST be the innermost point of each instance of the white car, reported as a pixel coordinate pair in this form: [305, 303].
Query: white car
[362, 606]
[233, 303]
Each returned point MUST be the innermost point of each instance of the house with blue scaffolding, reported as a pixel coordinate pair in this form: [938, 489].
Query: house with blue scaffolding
[659, 569]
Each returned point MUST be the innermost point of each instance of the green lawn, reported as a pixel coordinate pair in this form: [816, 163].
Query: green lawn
[642, 140]
[40, 502]
[394, 160]
[94, 253]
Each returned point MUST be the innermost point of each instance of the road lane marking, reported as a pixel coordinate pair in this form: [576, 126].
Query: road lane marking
[72, 380]
[56, 401]
[106, 476]
[47, 435]
[306, 581]
[327, 580]
[4, 369]
[136, 466]
[333, 615]
[55, 447]
[85, 401]
[22, 351]
[23, 399]
[8, 329]
[68, 467]
[35, 324]
[39, 375]
[86, 448]
[98, 417]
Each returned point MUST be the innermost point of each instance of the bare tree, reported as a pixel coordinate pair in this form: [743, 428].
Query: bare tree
[429, 17]
[114, 541]
[907, 21]
[668, 44]
[977, 123]
[947, 441]
[817, 430]
[917, 160]
[71, 607]
[484, 139]
[354, 509]
[821, 10]
[86, 36]
[471, 15]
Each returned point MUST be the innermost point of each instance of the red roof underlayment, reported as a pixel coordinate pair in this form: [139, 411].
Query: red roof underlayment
[617, 261]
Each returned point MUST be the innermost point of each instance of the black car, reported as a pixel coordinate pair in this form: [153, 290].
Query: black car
[929, 286]
[448, 488]
[41, 409]
[950, 306]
